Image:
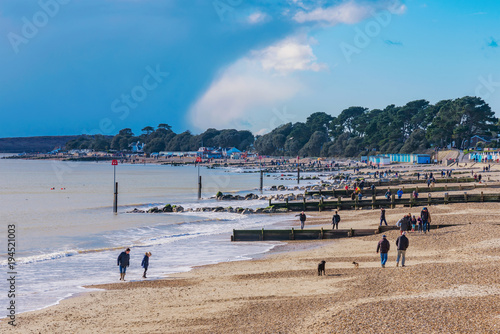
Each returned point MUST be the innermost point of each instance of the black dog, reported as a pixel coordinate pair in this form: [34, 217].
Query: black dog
[321, 268]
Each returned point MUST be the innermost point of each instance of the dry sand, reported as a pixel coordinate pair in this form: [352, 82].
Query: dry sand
[451, 284]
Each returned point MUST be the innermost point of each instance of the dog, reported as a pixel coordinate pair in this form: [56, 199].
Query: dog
[321, 268]
[356, 265]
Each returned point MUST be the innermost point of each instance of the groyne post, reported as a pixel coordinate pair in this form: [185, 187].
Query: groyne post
[298, 175]
[115, 200]
[261, 180]
[199, 187]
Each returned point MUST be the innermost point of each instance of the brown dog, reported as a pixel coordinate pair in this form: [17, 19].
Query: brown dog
[321, 268]
[355, 264]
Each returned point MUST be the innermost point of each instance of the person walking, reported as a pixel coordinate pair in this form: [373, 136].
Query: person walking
[123, 263]
[402, 243]
[383, 246]
[382, 217]
[335, 220]
[145, 263]
[302, 217]
[403, 223]
[426, 219]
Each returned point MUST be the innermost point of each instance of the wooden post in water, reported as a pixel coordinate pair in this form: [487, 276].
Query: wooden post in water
[199, 187]
[298, 175]
[261, 180]
[115, 200]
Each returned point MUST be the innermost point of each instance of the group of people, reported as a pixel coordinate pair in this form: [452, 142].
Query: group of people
[335, 220]
[124, 261]
[384, 246]
[409, 222]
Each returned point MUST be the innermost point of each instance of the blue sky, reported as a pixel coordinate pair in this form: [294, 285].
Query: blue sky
[97, 66]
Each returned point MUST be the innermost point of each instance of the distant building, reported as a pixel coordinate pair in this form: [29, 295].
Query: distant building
[476, 139]
[379, 160]
[411, 158]
[137, 147]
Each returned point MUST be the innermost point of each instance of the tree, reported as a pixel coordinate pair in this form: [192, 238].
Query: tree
[148, 130]
[313, 147]
[475, 118]
[319, 121]
[164, 126]
[347, 121]
[155, 145]
[416, 143]
[126, 132]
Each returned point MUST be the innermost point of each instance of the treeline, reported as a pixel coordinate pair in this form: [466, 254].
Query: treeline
[164, 139]
[412, 128]
[33, 144]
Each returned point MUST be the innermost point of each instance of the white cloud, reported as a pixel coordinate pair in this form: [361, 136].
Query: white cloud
[348, 12]
[247, 92]
[287, 56]
[257, 17]
[241, 98]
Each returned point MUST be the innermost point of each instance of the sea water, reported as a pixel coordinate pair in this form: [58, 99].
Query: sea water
[67, 235]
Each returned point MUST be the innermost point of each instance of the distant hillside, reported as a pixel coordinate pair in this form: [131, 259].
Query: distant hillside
[33, 144]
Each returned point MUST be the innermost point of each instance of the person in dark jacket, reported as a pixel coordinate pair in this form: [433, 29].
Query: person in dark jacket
[426, 219]
[404, 223]
[402, 243]
[302, 217]
[383, 246]
[382, 217]
[123, 262]
[145, 263]
[335, 220]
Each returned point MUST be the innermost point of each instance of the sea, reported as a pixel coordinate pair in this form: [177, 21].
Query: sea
[66, 235]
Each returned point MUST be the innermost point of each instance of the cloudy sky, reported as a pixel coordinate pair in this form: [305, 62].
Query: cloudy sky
[97, 66]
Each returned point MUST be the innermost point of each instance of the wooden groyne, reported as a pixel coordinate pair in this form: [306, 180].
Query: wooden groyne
[310, 234]
[380, 191]
[374, 202]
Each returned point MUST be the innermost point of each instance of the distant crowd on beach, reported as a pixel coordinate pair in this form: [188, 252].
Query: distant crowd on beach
[408, 223]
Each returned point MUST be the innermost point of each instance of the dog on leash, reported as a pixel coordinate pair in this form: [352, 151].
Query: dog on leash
[356, 265]
[321, 268]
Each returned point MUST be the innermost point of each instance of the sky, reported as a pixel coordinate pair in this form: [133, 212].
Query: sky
[71, 67]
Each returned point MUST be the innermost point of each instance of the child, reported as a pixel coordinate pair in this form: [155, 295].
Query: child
[413, 223]
[420, 224]
[145, 263]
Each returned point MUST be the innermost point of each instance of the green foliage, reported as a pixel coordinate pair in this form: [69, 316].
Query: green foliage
[412, 128]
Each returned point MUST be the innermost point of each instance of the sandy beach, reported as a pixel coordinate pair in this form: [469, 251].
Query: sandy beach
[451, 284]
